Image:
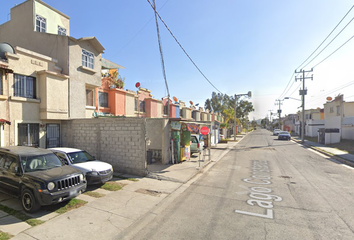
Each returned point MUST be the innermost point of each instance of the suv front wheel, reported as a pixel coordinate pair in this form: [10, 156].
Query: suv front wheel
[29, 202]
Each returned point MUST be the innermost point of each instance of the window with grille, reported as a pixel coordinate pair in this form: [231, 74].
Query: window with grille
[24, 86]
[41, 24]
[87, 59]
[61, 31]
[89, 97]
[28, 134]
[103, 99]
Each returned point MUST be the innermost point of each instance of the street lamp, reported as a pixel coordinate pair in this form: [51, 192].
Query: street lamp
[292, 98]
[249, 94]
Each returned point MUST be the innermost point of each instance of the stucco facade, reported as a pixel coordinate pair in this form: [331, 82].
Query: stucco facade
[67, 50]
[43, 107]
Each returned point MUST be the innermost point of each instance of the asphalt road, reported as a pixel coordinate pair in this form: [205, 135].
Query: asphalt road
[262, 189]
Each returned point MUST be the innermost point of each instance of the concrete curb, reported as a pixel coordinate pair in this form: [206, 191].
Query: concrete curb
[318, 149]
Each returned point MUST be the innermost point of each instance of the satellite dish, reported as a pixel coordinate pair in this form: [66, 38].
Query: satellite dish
[137, 84]
[329, 99]
[175, 99]
[191, 102]
[5, 47]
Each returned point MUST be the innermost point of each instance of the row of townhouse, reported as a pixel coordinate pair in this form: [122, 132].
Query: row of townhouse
[48, 77]
[333, 122]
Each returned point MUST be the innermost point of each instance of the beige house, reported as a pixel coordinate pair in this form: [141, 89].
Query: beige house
[27, 102]
[339, 120]
[45, 30]
[72, 65]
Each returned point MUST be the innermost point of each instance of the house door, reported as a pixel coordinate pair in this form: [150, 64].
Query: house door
[53, 135]
[28, 134]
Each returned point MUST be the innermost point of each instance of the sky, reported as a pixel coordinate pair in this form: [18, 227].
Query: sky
[238, 46]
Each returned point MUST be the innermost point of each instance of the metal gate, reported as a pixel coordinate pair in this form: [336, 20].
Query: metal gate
[53, 135]
[321, 136]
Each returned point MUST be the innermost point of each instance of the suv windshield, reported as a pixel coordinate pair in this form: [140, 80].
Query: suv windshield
[40, 162]
[79, 157]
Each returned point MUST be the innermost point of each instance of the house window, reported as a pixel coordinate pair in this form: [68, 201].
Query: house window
[181, 113]
[87, 59]
[165, 109]
[89, 97]
[142, 106]
[24, 86]
[1, 89]
[61, 31]
[338, 110]
[28, 134]
[41, 24]
[103, 99]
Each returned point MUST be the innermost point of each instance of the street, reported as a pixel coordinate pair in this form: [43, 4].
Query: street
[264, 188]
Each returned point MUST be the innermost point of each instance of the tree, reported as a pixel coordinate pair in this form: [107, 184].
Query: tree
[225, 105]
[265, 122]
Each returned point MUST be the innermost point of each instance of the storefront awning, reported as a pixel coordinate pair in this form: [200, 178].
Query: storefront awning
[5, 121]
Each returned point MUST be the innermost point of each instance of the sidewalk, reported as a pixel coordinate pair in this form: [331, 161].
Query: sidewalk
[113, 215]
[337, 154]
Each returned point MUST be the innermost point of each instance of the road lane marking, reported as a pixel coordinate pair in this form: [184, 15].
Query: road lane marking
[260, 195]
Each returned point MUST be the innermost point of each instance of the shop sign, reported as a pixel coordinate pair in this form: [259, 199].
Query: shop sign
[176, 126]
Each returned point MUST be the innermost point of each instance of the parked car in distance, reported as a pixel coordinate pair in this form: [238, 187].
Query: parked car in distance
[97, 172]
[197, 144]
[38, 177]
[276, 132]
[284, 135]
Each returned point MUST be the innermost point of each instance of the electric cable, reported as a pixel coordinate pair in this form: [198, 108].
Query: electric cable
[330, 43]
[162, 60]
[183, 48]
[334, 51]
[326, 37]
[139, 31]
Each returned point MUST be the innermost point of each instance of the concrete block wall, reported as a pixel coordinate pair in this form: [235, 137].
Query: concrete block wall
[118, 141]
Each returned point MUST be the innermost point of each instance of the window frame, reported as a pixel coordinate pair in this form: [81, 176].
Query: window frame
[29, 133]
[41, 24]
[103, 99]
[62, 31]
[141, 106]
[24, 86]
[90, 99]
[87, 59]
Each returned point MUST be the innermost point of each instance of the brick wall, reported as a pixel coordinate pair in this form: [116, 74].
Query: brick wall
[118, 141]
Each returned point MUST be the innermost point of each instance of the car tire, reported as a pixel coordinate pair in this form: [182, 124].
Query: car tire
[29, 202]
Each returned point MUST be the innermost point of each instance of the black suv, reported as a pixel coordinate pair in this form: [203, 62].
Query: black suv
[38, 177]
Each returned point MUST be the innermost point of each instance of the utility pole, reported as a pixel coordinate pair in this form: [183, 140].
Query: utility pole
[279, 110]
[270, 116]
[303, 92]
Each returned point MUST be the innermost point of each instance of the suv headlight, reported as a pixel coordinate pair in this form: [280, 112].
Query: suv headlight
[94, 173]
[81, 177]
[51, 186]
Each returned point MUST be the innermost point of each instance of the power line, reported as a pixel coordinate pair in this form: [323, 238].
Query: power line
[287, 86]
[327, 37]
[162, 60]
[332, 91]
[334, 51]
[330, 42]
[183, 48]
[139, 31]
